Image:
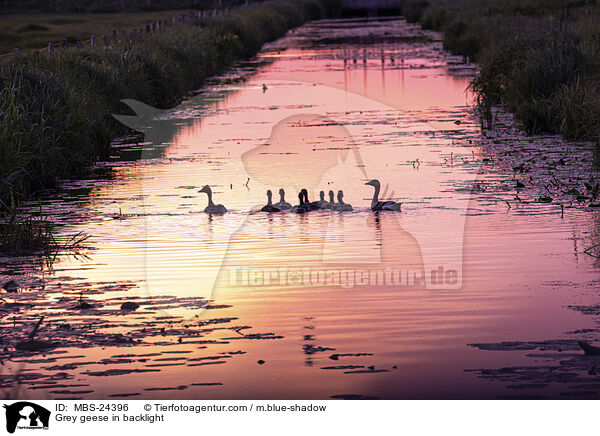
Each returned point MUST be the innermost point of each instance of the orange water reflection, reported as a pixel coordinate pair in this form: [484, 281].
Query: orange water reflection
[331, 282]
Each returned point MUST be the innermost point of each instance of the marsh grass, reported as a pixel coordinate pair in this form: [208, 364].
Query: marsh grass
[35, 30]
[104, 6]
[34, 233]
[55, 108]
[541, 66]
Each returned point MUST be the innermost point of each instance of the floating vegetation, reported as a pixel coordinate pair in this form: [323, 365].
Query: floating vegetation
[34, 233]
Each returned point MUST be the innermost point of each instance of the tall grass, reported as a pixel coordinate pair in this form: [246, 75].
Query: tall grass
[55, 108]
[543, 67]
[95, 6]
[33, 233]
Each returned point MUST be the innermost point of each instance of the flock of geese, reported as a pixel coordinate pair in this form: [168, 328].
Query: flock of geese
[305, 205]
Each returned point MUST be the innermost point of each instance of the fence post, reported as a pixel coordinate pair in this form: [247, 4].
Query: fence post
[92, 40]
[50, 47]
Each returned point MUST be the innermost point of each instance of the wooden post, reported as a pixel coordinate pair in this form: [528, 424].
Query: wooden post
[147, 28]
[92, 40]
[50, 47]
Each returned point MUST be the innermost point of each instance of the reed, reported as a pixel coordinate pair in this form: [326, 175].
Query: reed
[33, 233]
[539, 58]
[55, 108]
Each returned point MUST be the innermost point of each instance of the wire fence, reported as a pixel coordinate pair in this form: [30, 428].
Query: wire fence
[153, 26]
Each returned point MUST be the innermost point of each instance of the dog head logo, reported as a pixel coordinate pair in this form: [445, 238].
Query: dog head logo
[27, 415]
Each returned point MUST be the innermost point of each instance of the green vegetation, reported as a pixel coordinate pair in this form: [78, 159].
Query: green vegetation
[110, 6]
[55, 108]
[539, 58]
[34, 233]
[35, 31]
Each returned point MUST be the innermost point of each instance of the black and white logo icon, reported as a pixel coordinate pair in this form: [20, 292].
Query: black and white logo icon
[26, 415]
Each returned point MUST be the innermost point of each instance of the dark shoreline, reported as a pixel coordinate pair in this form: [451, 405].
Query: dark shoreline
[539, 59]
[55, 108]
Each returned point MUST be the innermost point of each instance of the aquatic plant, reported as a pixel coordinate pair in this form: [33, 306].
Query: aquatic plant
[55, 108]
[33, 233]
[538, 58]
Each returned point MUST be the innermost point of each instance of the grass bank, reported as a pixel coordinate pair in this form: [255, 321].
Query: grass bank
[77, 20]
[34, 31]
[108, 6]
[55, 108]
[538, 58]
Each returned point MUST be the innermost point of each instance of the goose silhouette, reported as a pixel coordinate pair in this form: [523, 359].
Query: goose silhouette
[381, 205]
[313, 205]
[343, 207]
[212, 208]
[303, 207]
[282, 204]
[331, 203]
[269, 206]
[322, 203]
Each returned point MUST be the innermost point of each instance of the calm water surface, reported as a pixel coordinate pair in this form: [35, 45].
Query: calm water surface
[334, 303]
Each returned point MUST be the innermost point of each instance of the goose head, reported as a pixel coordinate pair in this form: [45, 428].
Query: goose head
[374, 183]
[322, 195]
[269, 196]
[304, 193]
[340, 197]
[282, 194]
[206, 189]
[301, 197]
[331, 199]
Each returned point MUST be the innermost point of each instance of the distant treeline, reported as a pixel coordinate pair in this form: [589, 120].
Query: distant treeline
[55, 108]
[539, 58]
[103, 6]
